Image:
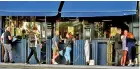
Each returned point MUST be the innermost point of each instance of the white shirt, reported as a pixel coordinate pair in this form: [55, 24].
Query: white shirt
[32, 44]
[36, 41]
[2, 37]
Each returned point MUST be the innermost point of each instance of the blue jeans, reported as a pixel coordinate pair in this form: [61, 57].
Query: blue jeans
[131, 52]
[67, 53]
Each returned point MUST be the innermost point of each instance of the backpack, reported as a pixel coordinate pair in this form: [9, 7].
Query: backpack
[32, 37]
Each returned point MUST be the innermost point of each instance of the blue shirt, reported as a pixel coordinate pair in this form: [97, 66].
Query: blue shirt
[131, 42]
[55, 39]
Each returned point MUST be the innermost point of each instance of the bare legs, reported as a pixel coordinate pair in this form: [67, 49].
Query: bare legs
[123, 59]
[55, 55]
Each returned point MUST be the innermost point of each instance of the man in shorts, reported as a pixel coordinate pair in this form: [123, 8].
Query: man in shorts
[55, 42]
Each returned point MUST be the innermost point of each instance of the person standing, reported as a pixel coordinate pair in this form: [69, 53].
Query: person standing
[32, 45]
[118, 47]
[7, 45]
[131, 47]
[68, 48]
[124, 48]
[55, 43]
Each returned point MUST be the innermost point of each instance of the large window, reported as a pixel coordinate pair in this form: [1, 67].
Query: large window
[22, 25]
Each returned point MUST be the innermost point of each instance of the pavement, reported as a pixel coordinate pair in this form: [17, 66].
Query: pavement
[47, 66]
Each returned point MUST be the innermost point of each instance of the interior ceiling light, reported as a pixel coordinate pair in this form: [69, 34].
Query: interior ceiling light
[106, 20]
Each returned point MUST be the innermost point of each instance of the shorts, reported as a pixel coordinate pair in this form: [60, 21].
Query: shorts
[55, 50]
[125, 48]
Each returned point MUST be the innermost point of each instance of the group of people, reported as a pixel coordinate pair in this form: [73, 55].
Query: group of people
[125, 46]
[67, 44]
[7, 40]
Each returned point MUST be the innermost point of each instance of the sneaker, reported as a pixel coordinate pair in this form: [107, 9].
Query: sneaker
[133, 64]
[39, 63]
[67, 63]
[27, 63]
[52, 61]
[123, 65]
[55, 63]
[6, 62]
[2, 61]
[136, 65]
[12, 62]
[87, 63]
[129, 64]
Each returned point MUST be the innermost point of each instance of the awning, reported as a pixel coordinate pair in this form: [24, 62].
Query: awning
[98, 8]
[29, 8]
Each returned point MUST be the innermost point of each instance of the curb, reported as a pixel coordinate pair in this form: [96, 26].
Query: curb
[19, 65]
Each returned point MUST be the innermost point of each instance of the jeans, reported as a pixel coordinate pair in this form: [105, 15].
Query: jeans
[118, 56]
[33, 51]
[131, 52]
[67, 54]
[8, 51]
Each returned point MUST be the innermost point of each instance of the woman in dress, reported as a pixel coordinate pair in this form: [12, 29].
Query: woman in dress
[124, 48]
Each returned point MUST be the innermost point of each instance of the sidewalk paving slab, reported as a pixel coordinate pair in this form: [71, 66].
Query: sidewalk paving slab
[49, 66]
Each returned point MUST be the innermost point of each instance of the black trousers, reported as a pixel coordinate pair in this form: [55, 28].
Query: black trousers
[33, 51]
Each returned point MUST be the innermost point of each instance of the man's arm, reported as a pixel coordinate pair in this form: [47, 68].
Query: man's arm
[115, 37]
[119, 38]
[9, 36]
[56, 44]
[2, 36]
